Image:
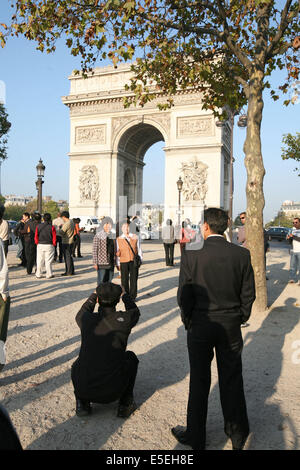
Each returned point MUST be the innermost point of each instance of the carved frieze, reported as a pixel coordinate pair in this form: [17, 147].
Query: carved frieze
[163, 119]
[194, 186]
[112, 104]
[90, 134]
[89, 183]
[194, 126]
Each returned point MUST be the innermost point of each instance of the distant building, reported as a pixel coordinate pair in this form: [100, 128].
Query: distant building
[14, 200]
[291, 208]
[62, 204]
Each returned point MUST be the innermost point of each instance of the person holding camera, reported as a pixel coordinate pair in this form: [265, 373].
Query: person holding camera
[104, 371]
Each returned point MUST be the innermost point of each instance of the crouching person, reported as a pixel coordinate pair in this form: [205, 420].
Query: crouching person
[104, 371]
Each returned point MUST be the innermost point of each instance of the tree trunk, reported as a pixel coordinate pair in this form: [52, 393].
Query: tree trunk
[254, 189]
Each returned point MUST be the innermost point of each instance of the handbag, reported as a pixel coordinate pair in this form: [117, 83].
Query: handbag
[136, 258]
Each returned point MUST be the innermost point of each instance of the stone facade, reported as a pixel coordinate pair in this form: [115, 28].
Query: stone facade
[108, 144]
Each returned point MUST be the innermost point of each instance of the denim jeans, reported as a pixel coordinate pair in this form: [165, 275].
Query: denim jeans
[295, 266]
[67, 253]
[105, 275]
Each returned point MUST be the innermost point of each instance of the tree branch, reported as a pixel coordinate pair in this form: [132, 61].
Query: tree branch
[179, 27]
[272, 50]
[225, 36]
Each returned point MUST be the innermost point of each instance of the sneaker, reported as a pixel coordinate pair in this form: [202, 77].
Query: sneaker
[2, 355]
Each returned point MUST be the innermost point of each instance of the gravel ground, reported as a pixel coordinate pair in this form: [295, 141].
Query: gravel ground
[43, 342]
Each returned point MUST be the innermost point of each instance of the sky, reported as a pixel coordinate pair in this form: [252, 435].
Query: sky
[32, 84]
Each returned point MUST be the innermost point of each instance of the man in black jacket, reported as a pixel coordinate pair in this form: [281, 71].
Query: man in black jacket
[216, 292]
[104, 371]
[28, 231]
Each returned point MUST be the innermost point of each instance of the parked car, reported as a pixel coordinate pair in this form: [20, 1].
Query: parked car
[278, 233]
[145, 234]
[89, 223]
[12, 225]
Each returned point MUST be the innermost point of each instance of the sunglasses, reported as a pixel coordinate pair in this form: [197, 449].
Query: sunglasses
[242, 218]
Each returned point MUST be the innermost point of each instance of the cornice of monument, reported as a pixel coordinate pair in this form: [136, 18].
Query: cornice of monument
[116, 96]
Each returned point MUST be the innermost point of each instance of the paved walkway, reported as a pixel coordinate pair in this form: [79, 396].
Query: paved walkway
[43, 342]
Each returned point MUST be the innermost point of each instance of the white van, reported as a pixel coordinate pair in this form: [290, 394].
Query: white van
[89, 223]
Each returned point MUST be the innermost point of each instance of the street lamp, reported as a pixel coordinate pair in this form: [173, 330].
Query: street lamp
[40, 169]
[179, 187]
[242, 122]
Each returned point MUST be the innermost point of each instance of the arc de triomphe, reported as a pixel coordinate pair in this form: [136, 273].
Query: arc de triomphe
[108, 144]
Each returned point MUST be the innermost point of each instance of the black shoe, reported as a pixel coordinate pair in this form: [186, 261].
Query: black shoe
[64, 274]
[83, 408]
[239, 443]
[79, 256]
[180, 434]
[124, 411]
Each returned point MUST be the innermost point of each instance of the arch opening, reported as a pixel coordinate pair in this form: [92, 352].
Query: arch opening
[133, 145]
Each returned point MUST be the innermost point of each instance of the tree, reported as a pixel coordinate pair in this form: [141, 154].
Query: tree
[292, 148]
[31, 206]
[281, 220]
[225, 49]
[13, 212]
[52, 208]
[4, 129]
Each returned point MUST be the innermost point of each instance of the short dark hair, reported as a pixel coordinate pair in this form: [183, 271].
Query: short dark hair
[37, 216]
[26, 214]
[65, 214]
[169, 222]
[216, 219]
[47, 217]
[108, 294]
[242, 213]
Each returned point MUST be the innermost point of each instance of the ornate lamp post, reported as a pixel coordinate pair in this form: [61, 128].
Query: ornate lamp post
[40, 168]
[179, 187]
[242, 122]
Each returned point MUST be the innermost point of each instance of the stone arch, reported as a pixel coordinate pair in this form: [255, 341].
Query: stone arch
[106, 135]
[129, 127]
[131, 145]
[129, 187]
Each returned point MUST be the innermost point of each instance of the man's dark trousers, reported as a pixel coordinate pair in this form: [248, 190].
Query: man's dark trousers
[67, 252]
[125, 394]
[169, 252]
[129, 277]
[30, 253]
[225, 336]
